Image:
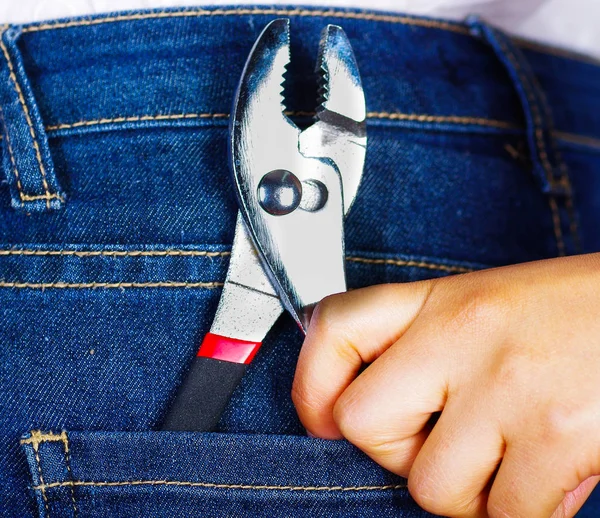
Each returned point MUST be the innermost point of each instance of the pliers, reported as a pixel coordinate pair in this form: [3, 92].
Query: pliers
[294, 188]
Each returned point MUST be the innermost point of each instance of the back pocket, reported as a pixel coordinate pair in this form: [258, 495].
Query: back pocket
[174, 474]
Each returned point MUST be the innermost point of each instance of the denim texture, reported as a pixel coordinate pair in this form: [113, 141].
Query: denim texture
[117, 217]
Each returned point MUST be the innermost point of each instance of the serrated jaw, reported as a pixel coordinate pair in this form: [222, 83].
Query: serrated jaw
[340, 87]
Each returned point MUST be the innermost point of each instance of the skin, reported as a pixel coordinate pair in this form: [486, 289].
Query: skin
[508, 358]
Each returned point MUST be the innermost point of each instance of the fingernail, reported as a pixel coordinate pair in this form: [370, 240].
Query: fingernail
[311, 435]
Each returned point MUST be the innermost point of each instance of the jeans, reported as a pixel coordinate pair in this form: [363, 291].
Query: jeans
[116, 221]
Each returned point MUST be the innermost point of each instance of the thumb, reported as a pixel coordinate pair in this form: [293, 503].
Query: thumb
[347, 331]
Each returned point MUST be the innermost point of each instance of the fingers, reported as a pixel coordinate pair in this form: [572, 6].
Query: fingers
[385, 411]
[345, 332]
[574, 500]
[529, 483]
[514, 384]
[453, 470]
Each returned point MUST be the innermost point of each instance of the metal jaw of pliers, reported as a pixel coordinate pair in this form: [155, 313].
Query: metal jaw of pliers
[294, 188]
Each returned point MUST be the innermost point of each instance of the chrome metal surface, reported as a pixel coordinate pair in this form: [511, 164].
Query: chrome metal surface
[279, 192]
[303, 250]
[249, 306]
[340, 132]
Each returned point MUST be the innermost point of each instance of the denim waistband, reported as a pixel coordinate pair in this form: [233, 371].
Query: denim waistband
[153, 67]
[179, 68]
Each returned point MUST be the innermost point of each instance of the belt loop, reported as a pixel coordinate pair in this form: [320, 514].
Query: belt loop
[26, 154]
[548, 166]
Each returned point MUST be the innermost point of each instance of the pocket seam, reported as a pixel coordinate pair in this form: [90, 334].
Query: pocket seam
[208, 485]
[37, 438]
[36, 449]
[68, 464]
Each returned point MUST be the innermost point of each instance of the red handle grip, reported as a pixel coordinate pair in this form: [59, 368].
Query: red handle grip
[228, 349]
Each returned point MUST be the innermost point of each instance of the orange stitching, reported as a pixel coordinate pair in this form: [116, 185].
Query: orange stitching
[578, 139]
[313, 13]
[543, 154]
[203, 253]
[220, 486]
[403, 20]
[109, 285]
[22, 196]
[115, 253]
[450, 119]
[41, 487]
[417, 264]
[38, 437]
[557, 225]
[139, 118]
[68, 464]
[565, 179]
[455, 119]
[537, 116]
[38, 154]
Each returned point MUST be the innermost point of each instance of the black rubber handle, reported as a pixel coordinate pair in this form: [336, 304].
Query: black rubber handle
[203, 395]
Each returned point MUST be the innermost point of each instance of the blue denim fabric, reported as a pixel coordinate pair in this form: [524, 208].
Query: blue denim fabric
[117, 216]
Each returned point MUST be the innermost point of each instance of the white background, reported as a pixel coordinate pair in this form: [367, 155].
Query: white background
[571, 24]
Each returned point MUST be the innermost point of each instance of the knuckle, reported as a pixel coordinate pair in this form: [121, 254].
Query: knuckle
[368, 433]
[435, 493]
[426, 490]
[351, 421]
[510, 369]
[357, 424]
[324, 314]
[479, 308]
[562, 422]
[328, 329]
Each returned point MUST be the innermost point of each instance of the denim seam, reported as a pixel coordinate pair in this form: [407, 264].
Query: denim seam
[36, 438]
[210, 485]
[48, 195]
[370, 115]
[36, 450]
[574, 138]
[12, 159]
[202, 253]
[413, 264]
[114, 253]
[565, 179]
[67, 451]
[109, 285]
[582, 140]
[22, 196]
[455, 119]
[315, 13]
[541, 148]
[137, 118]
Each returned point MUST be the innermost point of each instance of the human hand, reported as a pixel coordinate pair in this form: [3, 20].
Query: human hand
[509, 356]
